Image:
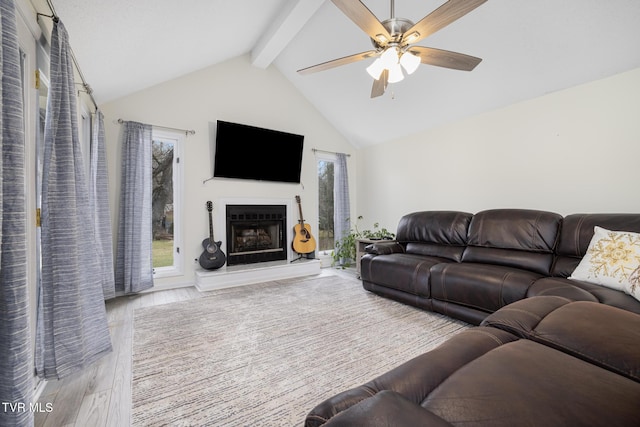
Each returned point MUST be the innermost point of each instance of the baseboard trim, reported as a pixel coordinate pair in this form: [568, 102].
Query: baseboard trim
[40, 386]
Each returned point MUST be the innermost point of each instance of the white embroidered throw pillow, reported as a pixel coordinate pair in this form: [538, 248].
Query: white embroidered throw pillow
[612, 260]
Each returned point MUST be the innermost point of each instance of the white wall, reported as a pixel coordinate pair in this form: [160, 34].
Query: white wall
[572, 151]
[234, 91]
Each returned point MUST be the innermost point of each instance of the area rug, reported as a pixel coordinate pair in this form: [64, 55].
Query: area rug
[266, 354]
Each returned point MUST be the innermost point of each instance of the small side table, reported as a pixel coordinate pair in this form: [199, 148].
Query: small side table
[360, 245]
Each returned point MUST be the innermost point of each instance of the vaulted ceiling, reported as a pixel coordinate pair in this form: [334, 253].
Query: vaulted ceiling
[529, 48]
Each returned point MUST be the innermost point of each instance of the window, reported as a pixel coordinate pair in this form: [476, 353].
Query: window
[166, 202]
[326, 240]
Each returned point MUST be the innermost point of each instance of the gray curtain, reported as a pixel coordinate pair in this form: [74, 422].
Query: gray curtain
[72, 328]
[16, 356]
[341, 208]
[99, 198]
[134, 263]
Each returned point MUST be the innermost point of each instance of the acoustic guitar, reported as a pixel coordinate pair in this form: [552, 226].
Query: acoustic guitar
[212, 257]
[303, 241]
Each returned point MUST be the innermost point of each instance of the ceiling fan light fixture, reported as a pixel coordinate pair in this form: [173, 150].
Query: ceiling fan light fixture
[375, 69]
[410, 62]
[395, 74]
[389, 57]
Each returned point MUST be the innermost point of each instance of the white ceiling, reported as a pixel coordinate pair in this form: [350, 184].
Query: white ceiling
[529, 48]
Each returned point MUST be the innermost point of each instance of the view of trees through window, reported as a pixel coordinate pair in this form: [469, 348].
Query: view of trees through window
[162, 203]
[325, 203]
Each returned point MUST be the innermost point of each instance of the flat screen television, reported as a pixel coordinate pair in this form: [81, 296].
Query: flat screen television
[249, 152]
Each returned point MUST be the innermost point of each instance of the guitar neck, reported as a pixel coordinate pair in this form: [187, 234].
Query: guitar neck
[210, 227]
[300, 213]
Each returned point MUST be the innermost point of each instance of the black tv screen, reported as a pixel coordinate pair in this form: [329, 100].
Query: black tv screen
[249, 152]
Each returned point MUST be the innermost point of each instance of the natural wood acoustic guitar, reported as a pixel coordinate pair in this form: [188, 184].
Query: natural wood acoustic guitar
[303, 241]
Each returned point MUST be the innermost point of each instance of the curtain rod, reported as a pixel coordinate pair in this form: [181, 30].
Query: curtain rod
[85, 85]
[316, 150]
[186, 132]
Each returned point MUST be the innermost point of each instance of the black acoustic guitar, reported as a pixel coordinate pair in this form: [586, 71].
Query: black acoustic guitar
[212, 257]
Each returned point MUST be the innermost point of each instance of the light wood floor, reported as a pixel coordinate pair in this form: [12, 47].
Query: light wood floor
[101, 395]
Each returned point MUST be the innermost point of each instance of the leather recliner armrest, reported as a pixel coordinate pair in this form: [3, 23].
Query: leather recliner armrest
[384, 248]
[387, 408]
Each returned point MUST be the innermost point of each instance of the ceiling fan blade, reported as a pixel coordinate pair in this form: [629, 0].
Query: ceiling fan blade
[380, 85]
[338, 62]
[440, 18]
[445, 58]
[364, 18]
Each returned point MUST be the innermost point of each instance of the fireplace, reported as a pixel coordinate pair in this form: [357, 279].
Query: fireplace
[256, 233]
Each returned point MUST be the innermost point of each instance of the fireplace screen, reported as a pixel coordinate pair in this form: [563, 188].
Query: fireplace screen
[255, 237]
[255, 233]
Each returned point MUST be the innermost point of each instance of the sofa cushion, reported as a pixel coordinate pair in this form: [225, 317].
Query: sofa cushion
[536, 262]
[451, 253]
[482, 286]
[583, 291]
[520, 229]
[612, 260]
[513, 237]
[576, 233]
[527, 383]
[435, 233]
[577, 328]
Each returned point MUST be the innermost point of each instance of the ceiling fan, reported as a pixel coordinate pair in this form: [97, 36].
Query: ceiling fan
[393, 41]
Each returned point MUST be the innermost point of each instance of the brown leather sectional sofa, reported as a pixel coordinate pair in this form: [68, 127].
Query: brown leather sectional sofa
[544, 361]
[468, 266]
[549, 351]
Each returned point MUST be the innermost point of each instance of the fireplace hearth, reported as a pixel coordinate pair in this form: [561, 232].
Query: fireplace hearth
[256, 233]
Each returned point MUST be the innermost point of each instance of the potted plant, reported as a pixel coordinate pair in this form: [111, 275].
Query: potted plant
[344, 252]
